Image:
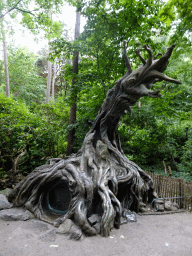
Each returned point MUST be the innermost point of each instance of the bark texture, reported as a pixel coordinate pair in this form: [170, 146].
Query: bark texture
[99, 177]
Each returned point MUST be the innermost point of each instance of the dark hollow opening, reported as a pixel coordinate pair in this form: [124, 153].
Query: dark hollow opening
[58, 198]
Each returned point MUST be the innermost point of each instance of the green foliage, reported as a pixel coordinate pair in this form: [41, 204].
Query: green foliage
[156, 131]
[25, 82]
[186, 158]
[159, 130]
[181, 11]
[36, 15]
[39, 131]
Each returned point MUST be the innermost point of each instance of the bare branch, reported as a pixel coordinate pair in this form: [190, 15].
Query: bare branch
[24, 11]
[14, 7]
[150, 58]
[140, 57]
[158, 54]
[16, 161]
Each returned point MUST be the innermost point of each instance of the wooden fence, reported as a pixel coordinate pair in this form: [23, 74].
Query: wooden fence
[173, 189]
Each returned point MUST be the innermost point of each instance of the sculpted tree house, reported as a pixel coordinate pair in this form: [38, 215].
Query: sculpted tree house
[98, 179]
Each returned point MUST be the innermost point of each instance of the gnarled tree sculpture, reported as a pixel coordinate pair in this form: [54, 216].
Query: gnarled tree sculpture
[98, 178]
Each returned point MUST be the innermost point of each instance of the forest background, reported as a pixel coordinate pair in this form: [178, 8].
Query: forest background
[44, 100]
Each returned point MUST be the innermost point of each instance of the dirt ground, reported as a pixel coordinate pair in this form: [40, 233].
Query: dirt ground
[150, 235]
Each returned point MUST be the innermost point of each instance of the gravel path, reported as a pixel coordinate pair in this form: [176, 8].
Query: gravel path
[150, 236]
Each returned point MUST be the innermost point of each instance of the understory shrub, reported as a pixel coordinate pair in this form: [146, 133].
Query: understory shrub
[38, 132]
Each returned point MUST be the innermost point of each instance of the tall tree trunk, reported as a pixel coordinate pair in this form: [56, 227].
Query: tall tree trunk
[48, 81]
[49, 72]
[5, 61]
[53, 80]
[72, 117]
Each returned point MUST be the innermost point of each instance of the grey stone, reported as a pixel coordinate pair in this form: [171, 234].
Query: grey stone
[15, 214]
[75, 232]
[175, 205]
[168, 206]
[97, 226]
[160, 207]
[4, 204]
[65, 227]
[123, 220]
[29, 214]
[159, 201]
[94, 218]
[143, 209]
[6, 191]
[131, 216]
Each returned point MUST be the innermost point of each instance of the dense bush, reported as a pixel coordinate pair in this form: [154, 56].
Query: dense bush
[40, 132]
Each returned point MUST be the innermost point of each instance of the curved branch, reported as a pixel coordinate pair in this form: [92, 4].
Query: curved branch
[150, 58]
[140, 57]
[158, 54]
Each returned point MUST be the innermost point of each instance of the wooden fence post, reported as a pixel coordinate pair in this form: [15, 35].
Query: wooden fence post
[165, 169]
[170, 172]
[181, 193]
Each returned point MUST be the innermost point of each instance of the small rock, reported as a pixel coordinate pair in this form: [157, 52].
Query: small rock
[159, 201]
[93, 219]
[131, 216]
[160, 207]
[29, 215]
[142, 209]
[65, 227]
[4, 204]
[123, 220]
[6, 191]
[97, 226]
[15, 214]
[75, 232]
[175, 205]
[168, 206]
[141, 205]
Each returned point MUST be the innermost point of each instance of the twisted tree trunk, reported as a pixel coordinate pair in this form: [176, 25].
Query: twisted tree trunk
[98, 178]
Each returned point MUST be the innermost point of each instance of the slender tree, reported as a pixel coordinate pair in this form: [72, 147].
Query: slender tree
[48, 81]
[5, 60]
[53, 80]
[49, 64]
[73, 109]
